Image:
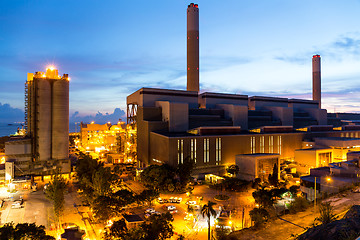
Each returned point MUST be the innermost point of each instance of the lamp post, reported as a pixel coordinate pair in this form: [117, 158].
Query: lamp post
[315, 196]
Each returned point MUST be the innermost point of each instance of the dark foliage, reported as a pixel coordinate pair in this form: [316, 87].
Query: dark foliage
[259, 216]
[23, 231]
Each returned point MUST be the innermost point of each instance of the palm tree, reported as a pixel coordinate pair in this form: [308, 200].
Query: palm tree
[209, 211]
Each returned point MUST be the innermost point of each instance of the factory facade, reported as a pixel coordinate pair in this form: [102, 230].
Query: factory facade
[171, 127]
[215, 129]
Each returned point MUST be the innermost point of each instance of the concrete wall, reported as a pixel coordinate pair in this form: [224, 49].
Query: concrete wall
[146, 97]
[238, 114]
[319, 115]
[310, 158]
[210, 100]
[247, 167]
[284, 114]
[18, 147]
[176, 114]
[299, 104]
[159, 146]
[144, 127]
[258, 102]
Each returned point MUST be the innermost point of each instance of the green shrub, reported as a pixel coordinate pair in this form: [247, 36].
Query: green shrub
[298, 205]
[259, 216]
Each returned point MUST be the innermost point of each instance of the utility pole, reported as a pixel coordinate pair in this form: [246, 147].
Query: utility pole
[315, 196]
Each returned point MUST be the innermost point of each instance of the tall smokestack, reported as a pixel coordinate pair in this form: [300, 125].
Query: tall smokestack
[316, 68]
[192, 47]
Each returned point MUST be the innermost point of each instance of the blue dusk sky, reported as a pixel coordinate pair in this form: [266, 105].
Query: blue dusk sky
[112, 48]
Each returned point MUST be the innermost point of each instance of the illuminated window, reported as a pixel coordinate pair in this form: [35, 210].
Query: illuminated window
[342, 134]
[347, 135]
[218, 151]
[262, 144]
[252, 143]
[206, 150]
[279, 144]
[180, 150]
[193, 149]
[271, 144]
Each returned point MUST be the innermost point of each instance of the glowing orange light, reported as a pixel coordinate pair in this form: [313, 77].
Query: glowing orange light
[51, 68]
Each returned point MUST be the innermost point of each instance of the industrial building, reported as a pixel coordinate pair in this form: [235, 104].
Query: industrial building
[45, 147]
[116, 142]
[215, 129]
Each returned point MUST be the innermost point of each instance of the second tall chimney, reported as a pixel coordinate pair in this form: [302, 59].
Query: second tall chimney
[193, 48]
[316, 74]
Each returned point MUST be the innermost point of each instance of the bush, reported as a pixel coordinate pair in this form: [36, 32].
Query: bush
[259, 216]
[326, 213]
[298, 205]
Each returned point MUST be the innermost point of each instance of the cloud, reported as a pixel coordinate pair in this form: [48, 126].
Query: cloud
[347, 43]
[99, 117]
[9, 114]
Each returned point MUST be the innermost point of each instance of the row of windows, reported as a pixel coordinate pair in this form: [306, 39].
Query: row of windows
[206, 141]
[350, 134]
[262, 144]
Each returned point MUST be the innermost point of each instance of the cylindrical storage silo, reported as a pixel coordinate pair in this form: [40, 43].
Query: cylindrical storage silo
[60, 119]
[43, 119]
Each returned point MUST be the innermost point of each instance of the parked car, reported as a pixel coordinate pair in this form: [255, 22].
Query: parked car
[69, 226]
[150, 210]
[17, 203]
[160, 200]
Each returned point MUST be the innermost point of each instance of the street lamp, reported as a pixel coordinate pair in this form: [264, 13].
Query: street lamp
[315, 196]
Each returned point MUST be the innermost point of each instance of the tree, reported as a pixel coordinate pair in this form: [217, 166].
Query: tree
[184, 171]
[233, 169]
[158, 227]
[55, 192]
[294, 190]
[208, 210]
[102, 181]
[117, 231]
[263, 197]
[149, 195]
[273, 178]
[23, 231]
[85, 169]
[157, 176]
[326, 213]
[105, 208]
[259, 216]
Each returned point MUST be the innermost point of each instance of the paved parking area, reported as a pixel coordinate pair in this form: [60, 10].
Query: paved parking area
[35, 209]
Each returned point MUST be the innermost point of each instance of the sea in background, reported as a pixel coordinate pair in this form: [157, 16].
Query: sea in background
[6, 129]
